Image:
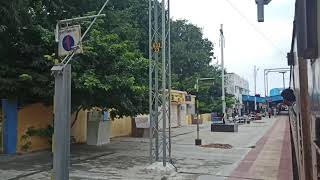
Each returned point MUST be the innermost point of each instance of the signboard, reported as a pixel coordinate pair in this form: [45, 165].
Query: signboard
[69, 40]
[177, 97]
[188, 98]
[142, 122]
[106, 116]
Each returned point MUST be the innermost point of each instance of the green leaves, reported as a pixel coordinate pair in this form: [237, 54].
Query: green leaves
[25, 77]
[191, 59]
[112, 73]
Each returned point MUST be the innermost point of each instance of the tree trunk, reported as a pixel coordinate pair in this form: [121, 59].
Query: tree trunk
[76, 116]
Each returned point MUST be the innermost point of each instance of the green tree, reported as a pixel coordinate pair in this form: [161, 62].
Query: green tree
[112, 72]
[24, 71]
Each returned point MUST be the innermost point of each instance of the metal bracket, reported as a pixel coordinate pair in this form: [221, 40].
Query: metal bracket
[260, 9]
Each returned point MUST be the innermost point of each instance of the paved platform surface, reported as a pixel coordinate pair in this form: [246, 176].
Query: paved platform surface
[271, 158]
[259, 143]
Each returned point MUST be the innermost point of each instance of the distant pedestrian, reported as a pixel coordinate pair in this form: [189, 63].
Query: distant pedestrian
[269, 112]
[222, 118]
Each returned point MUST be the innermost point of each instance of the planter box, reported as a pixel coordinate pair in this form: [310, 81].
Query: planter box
[224, 127]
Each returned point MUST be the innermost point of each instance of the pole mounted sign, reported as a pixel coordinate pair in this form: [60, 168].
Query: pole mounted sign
[70, 40]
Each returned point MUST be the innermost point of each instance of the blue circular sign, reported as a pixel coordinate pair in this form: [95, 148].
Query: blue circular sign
[68, 43]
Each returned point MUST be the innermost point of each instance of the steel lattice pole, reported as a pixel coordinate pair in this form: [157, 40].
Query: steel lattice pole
[159, 81]
[164, 98]
[150, 85]
[169, 75]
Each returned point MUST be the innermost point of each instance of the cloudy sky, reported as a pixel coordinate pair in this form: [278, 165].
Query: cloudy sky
[248, 42]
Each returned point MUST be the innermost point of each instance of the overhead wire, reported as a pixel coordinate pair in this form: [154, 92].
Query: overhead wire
[255, 28]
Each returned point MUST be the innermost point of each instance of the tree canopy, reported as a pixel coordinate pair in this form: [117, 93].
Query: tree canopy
[112, 72]
[192, 58]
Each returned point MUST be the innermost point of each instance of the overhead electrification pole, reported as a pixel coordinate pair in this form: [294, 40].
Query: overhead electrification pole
[159, 81]
[169, 75]
[283, 81]
[222, 71]
[266, 77]
[255, 87]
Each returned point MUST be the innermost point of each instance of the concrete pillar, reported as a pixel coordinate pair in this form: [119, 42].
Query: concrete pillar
[10, 126]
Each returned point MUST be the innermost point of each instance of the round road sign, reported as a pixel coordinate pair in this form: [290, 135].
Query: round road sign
[68, 43]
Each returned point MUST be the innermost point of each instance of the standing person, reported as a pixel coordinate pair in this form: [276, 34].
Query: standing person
[222, 118]
[269, 112]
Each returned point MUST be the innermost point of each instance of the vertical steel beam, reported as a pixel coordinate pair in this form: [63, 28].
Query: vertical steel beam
[151, 121]
[264, 83]
[255, 87]
[159, 81]
[169, 75]
[164, 93]
[156, 71]
[267, 83]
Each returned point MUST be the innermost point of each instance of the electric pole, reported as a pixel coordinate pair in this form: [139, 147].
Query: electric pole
[222, 71]
[159, 82]
[255, 87]
[266, 78]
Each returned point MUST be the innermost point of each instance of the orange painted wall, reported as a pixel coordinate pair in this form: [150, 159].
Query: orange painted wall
[37, 116]
[79, 130]
[40, 116]
[121, 127]
[205, 117]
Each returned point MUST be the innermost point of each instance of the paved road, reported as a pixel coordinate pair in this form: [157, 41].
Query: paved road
[127, 158]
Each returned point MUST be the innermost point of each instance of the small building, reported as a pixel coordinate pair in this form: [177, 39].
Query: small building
[237, 86]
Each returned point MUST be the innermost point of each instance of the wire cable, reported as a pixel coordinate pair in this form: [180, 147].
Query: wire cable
[255, 28]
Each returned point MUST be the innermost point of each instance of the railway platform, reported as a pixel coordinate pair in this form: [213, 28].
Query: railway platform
[271, 158]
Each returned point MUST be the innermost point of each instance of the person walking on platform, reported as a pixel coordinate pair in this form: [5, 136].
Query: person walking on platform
[222, 118]
[269, 112]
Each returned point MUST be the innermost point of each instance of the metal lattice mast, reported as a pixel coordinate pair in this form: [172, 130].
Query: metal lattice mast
[159, 81]
[169, 75]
